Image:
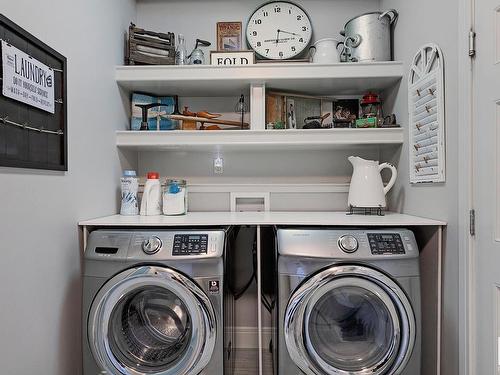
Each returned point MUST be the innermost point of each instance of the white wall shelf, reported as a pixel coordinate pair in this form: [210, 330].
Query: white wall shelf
[315, 79]
[311, 139]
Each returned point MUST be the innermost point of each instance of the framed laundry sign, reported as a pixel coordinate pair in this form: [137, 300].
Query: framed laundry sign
[33, 107]
[26, 79]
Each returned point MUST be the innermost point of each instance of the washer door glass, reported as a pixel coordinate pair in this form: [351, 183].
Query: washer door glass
[152, 320]
[149, 329]
[350, 328]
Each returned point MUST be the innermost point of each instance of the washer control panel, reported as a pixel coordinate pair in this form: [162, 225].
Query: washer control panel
[190, 244]
[155, 245]
[385, 243]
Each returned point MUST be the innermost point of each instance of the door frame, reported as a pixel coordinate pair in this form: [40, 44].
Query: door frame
[466, 250]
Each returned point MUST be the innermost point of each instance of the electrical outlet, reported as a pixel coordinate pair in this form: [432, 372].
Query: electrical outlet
[218, 165]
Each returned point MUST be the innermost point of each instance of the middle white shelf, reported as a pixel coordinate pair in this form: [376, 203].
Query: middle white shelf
[310, 139]
[306, 78]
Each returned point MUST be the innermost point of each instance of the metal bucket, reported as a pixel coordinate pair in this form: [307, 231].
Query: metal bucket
[368, 37]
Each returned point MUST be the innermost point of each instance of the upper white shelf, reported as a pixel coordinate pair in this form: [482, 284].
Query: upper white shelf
[209, 140]
[314, 79]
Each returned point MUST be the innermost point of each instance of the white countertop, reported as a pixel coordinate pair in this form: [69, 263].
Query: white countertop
[262, 218]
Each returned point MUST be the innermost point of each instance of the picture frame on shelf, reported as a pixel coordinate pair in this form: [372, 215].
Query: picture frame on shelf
[345, 112]
[295, 111]
[229, 36]
[291, 118]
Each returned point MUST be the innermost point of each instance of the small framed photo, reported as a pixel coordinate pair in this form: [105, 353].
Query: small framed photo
[229, 36]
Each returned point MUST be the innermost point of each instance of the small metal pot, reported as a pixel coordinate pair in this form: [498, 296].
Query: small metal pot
[368, 37]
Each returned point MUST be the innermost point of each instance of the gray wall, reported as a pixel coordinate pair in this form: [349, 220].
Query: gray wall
[419, 22]
[422, 22]
[197, 19]
[40, 278]
[40, 209]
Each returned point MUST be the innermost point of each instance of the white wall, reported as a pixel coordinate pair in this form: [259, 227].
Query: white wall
[422, 22]
[40, 256]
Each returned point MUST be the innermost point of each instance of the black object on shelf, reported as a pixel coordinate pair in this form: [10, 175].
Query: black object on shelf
[367, 211]
[241, 108]
[145, 108]
[176, 106]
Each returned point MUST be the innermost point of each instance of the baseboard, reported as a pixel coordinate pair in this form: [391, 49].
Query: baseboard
[248, 337]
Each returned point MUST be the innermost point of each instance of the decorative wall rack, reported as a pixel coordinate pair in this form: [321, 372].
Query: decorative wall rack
[427, 116]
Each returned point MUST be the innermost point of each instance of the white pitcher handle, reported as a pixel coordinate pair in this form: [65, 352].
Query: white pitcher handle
[393, 176]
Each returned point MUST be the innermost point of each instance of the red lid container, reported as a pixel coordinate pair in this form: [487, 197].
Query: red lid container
[153, 176]
[370, 98]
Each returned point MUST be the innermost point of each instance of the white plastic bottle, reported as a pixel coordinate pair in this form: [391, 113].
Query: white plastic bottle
[151, 198]
[130, 188]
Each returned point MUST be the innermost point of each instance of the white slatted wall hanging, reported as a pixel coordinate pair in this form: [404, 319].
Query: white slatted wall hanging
[427, 120]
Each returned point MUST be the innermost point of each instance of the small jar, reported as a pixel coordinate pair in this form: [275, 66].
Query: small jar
[371, 107]
[175, 197]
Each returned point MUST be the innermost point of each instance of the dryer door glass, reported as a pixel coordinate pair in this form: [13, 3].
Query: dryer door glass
[149, 329]
[351, 329]
[349, 319]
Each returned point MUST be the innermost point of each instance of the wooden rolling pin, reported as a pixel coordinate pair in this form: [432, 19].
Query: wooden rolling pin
[203, 120]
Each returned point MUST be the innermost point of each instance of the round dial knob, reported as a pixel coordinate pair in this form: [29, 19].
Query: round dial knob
[151, 245]
[348, 243]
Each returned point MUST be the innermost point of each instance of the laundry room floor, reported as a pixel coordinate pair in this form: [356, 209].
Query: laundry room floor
[247, 362]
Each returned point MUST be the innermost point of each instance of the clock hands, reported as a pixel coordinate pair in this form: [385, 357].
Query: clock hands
[288, 32]
[278, 36]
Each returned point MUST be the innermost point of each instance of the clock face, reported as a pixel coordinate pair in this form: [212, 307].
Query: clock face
[279, 30]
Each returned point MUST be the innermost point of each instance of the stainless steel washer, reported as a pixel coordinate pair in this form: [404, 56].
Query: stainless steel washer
[349, 302]
[153, 302]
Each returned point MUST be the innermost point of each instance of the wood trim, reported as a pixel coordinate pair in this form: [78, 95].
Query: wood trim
[271, 188]
[439, 299]
[466, 276]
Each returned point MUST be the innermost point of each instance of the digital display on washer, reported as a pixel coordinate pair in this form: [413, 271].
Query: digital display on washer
[385, 243]
[189, 244]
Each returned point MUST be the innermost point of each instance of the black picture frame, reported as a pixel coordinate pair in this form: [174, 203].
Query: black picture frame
[21, 147]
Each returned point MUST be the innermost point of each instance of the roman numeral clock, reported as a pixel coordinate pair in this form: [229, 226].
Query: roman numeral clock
[279, 30]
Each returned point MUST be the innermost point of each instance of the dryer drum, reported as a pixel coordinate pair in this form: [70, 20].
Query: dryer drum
[349, 319]
[350, 328]
[154, 327]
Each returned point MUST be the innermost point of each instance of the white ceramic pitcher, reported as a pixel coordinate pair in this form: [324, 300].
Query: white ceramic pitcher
[367, 188]
[325, 51]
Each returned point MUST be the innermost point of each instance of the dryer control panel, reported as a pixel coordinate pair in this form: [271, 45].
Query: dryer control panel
[385, 243]
[348, 243]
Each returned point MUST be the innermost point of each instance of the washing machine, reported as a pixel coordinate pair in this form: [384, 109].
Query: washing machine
[349, 301]
[153, 302]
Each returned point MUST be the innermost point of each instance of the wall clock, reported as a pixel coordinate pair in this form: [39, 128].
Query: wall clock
[279, 30]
